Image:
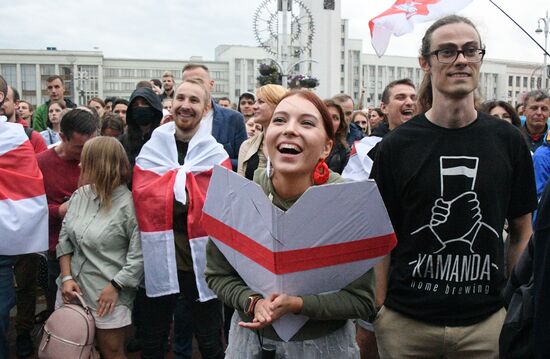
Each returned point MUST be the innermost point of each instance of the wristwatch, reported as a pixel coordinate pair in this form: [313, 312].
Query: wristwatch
[250, 304]
[116, 285]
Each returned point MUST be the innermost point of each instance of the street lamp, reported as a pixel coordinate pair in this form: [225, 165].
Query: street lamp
[546, 22]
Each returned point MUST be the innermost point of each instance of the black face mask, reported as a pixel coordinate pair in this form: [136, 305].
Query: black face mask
[143, 116]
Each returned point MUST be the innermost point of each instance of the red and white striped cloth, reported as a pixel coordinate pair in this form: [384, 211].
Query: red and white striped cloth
[331, 236]
[400, 18]
[23, 206]
[360, 164]
[158, 178]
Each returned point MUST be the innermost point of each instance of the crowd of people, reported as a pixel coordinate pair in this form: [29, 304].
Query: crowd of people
[460, 179]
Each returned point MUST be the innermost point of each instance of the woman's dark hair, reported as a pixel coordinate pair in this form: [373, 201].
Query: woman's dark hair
[379, 112]
[98, 100]
[342, 130]
[425, 94]
[79, 121]
[120, 101]
[157, 82]
[488, 106]
[112, 121]
[110, 99]
[60, 103]
[248, 95]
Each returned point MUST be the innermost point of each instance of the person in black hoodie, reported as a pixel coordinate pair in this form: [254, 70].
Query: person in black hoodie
[143, 116]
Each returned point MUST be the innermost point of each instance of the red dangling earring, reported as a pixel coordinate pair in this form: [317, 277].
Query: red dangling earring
[321, 172]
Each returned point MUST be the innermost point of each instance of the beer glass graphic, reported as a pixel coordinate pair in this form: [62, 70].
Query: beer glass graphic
[458, 175]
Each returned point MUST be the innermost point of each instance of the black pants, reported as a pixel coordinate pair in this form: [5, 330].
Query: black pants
[204, 320]
[25, 270]
[155, 325]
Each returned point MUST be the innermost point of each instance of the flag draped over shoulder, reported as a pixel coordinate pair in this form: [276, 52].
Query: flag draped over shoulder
[400, 18]
[23, 205]
[158, 179]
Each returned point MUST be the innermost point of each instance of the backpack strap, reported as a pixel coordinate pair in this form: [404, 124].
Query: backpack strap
[28, 132]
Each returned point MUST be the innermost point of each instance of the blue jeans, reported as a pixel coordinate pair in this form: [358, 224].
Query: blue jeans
[204, 320]
[7, 301]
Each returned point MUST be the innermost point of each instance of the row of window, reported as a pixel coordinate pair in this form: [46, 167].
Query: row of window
[144, 74]
[137, 73]
[522, 81]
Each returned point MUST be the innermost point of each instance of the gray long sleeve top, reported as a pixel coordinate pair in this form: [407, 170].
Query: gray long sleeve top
[104, 244]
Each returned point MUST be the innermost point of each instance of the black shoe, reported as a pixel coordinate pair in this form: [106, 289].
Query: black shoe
[134, 345]
[24, 346]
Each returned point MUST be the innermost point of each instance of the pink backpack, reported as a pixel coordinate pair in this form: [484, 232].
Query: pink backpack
[69, 333]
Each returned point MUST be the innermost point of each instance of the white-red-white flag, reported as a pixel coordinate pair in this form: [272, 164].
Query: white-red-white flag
[335, 231]
[23, 205]
[400, 18]
[158, 179]
[360, 164]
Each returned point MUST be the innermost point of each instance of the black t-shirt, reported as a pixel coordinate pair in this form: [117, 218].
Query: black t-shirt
[448, 192]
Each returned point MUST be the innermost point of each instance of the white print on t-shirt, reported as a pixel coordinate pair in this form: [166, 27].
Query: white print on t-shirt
[455, 218]
[456, 215]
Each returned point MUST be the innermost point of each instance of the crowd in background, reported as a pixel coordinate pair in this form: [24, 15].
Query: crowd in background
[91, 156]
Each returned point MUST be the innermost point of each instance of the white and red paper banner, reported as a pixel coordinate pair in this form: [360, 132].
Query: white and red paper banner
[158, 179]
[23, 205]
[331, 236]
[400, 18]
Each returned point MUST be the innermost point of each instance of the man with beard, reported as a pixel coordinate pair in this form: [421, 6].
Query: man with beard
[168, 85]
[226, 125]
[182, 148]
[10, 109]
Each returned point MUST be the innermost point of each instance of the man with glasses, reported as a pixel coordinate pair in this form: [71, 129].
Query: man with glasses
[449, 178]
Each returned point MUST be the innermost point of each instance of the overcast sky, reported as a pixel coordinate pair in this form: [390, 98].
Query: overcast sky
[178, 29]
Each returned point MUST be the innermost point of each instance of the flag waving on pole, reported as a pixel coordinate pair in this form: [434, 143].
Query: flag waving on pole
[23, 206]
[400, 18]
[158, 179]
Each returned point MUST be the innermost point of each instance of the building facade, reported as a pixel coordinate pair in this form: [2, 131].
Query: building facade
[89, 74]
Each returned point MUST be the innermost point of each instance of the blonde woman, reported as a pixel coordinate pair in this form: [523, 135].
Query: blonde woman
[99, 246]
[251, 153]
